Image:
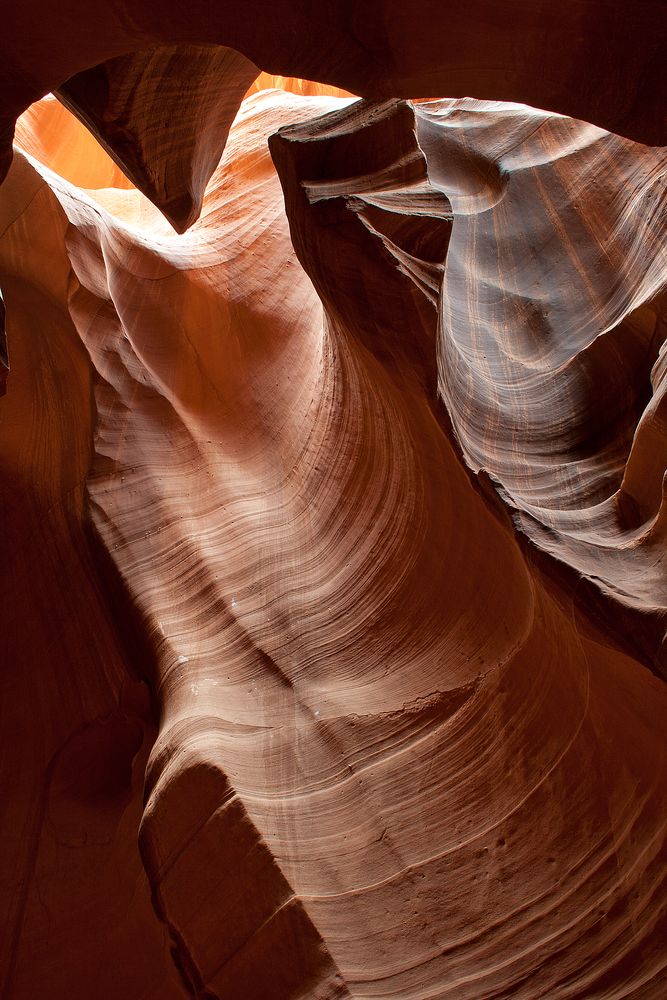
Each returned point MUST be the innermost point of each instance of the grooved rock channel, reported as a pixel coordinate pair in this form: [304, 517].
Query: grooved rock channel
[332, 460]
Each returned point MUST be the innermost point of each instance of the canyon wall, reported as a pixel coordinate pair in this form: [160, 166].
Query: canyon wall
[333, 451]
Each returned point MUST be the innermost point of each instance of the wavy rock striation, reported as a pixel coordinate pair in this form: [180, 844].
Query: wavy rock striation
[599, 63]
[376, 485]
[75, 908]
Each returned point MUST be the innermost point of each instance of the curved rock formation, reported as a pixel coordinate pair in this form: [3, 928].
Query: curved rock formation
[375, 486]
[600, 63]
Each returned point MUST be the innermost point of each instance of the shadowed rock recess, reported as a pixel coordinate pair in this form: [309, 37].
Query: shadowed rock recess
[332, 464]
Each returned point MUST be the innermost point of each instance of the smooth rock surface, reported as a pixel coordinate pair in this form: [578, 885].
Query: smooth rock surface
[361, 476]
[602, 63]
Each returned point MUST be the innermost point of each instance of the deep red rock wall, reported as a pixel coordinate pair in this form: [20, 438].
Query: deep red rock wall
[333, 588]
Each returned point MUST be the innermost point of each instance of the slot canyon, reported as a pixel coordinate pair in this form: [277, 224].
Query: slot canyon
[333, 442]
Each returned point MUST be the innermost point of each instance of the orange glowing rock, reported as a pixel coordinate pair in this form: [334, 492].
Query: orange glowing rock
[333, 455]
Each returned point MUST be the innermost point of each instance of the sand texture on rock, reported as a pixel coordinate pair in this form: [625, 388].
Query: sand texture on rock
[340, 517]
[602, 63]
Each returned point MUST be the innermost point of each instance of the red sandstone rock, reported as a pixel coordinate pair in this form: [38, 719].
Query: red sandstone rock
[600, 63]
[377, 518]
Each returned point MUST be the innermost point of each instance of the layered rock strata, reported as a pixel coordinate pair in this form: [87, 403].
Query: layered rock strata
[599, 63]
[368, 492]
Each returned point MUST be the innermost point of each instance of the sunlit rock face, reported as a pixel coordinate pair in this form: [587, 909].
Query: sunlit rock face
[602, 63]
[334, 581]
